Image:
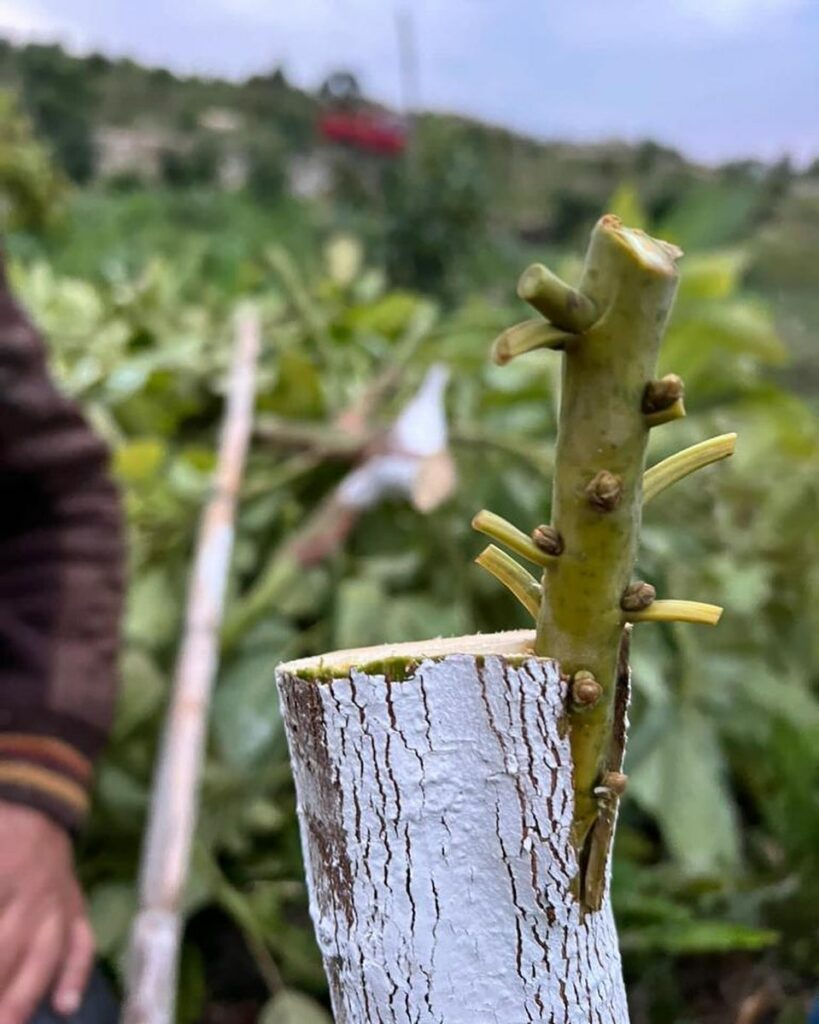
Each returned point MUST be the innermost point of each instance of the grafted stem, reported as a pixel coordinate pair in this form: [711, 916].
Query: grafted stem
[675, 467]
[501, 530]
[610, 399]
[513, 576]
[629, 280]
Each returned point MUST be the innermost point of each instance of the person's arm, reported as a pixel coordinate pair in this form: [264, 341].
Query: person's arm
[61, 582]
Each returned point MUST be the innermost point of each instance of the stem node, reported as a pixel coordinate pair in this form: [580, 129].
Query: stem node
[605, 491]
[660, 394]
[548, 540]
[586, 691]
[675, 411]
[637, 596]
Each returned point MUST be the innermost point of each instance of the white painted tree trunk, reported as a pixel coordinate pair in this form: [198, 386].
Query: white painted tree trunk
[435, 806]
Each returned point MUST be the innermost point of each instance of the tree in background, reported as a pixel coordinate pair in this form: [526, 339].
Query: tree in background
[30, 187]
[436, 211]
[196, 165]
[59, 96]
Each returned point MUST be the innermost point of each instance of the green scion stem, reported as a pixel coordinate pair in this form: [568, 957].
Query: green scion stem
[629, 280]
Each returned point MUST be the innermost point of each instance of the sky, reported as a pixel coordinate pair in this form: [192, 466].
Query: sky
[718, 79]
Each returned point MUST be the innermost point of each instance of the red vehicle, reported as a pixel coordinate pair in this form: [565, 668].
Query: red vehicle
[368, 130]
[347, 121]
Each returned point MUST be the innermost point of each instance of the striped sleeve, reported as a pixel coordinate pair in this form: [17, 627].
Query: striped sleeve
[45, 773]
[61, 583]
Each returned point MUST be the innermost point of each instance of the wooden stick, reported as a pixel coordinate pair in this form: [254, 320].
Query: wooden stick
[154, 950]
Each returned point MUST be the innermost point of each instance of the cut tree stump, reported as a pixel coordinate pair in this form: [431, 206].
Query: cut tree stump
[435, 802]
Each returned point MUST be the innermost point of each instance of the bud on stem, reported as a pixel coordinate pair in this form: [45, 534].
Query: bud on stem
[637, 596]
[548, 540]
[586, 691]
[605, 491]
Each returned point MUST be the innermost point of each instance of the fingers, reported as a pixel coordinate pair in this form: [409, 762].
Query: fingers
[28, 985]
[14, 934]
[72, 978]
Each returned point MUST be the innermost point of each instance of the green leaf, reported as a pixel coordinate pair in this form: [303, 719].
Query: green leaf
[388, 317]
[123, 798]
[246, 709]
[714, 275]
[139, 460]
[419, 618]
[111, 908]
[153, 610]
[298, 391]
[625, 204]
[682, 783]
[697, 936]
[290, 1007]
[142, 691]
[344, 256]
[360, 608]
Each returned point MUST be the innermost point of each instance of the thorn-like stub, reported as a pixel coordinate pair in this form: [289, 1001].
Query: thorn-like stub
[605, 491]
[663, 393]
[586, 691]
[563, 306]
[548, 540]
[637, 596]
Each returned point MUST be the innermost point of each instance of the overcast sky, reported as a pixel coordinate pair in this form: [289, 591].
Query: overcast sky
[719, 79]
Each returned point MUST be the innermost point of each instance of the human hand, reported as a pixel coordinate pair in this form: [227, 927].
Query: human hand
[46, 942]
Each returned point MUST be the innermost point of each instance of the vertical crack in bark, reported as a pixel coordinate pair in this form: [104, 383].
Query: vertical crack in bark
[520, 912]
[422, 689]
[408, 878]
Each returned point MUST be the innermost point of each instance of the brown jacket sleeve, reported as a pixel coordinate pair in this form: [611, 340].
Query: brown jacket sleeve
[61, 582]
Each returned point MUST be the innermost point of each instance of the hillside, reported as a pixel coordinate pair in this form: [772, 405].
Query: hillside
[117, 120]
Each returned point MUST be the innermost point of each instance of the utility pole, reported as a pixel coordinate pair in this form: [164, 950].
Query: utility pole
[408, 69]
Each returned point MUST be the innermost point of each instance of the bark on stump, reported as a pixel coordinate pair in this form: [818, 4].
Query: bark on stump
[435, 802]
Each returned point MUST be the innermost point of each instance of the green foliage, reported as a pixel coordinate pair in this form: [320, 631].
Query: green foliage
[436, 213]
[59, 96]
[197, 164]
[267, 169]
[719, 839]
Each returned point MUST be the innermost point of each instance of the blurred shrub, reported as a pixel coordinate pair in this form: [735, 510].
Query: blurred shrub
[60, 98]
[195, 164]
[436, 212]
[30, 187]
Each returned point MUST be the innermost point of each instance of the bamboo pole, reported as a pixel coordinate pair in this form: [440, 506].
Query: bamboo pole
[153, 955]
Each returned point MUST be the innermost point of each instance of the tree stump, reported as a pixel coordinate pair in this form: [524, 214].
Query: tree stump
[435, 802]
